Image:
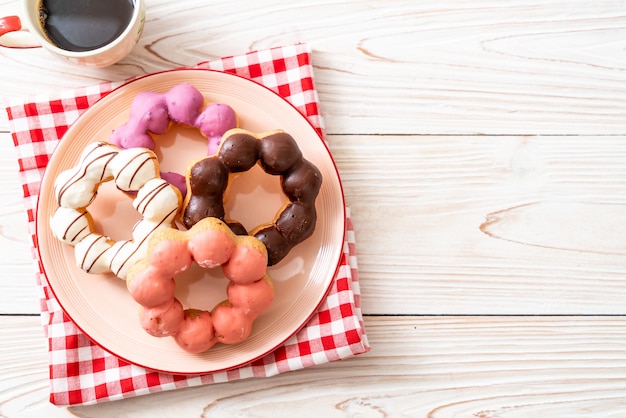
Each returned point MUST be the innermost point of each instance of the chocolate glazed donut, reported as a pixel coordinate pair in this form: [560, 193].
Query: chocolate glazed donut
[279, 155]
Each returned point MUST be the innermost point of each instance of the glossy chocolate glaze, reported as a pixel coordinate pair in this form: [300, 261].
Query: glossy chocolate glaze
[278, 154]
[302, 183]
[277, 245]
[239, 152]
[297, 221]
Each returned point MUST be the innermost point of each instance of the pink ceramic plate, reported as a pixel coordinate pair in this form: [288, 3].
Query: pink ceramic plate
[100, 304]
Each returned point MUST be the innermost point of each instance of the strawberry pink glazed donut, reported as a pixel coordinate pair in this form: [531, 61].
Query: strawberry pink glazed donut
[153, 113]
[210, 244]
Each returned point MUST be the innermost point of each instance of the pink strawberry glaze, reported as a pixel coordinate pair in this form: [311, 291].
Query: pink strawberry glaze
[231, 325]
[151, 289]
[252, 298]
[245, 265]
[209, 244]
[170, 257]
[164, 320]
[196, 332]
[211, 248]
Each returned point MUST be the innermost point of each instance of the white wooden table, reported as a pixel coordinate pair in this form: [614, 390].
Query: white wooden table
[482, 147]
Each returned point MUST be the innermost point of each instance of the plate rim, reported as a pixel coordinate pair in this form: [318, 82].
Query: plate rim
[300, 326]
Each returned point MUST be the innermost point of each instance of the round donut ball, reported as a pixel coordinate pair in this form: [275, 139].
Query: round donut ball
[231, 325]
[239, 152]
[150, 289]
[163, 320]
[278, 153]
[302, 183]
[196, 333]
[208, 177]
[252, 298]
[184, 103]
[171, 257]
[211, 248]
[246, 264]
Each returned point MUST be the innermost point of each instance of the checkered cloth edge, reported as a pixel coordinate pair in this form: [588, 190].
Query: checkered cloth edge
[82, 372]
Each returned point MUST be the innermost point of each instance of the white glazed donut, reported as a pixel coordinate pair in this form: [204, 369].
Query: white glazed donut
[134, 170]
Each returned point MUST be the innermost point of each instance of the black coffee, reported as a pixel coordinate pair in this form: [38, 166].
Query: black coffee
[83, 25]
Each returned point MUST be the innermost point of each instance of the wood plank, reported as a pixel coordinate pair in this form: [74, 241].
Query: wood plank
[492, 225]
[418, 367]
[486, 67]
[460, 225]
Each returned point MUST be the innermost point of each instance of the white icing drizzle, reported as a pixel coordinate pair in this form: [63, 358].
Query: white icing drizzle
[77, 187]
[70, 225]
[133, 167]
[133, 170]
[91, 254]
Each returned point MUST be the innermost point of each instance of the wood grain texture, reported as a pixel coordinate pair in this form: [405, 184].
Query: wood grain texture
[482, 149]
[491, 225]
[418, 367]
[453, 67]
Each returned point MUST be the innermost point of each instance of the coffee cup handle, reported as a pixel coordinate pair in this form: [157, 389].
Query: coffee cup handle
[13, 35]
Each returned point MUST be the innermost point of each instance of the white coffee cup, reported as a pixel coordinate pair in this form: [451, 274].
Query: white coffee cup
[26, 31]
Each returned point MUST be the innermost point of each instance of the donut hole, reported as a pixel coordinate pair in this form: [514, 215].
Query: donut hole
[174, 157]
[201, 288]
[113, 213]
[254, 198]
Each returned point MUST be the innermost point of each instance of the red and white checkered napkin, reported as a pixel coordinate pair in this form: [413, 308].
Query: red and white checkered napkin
[82, 372]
